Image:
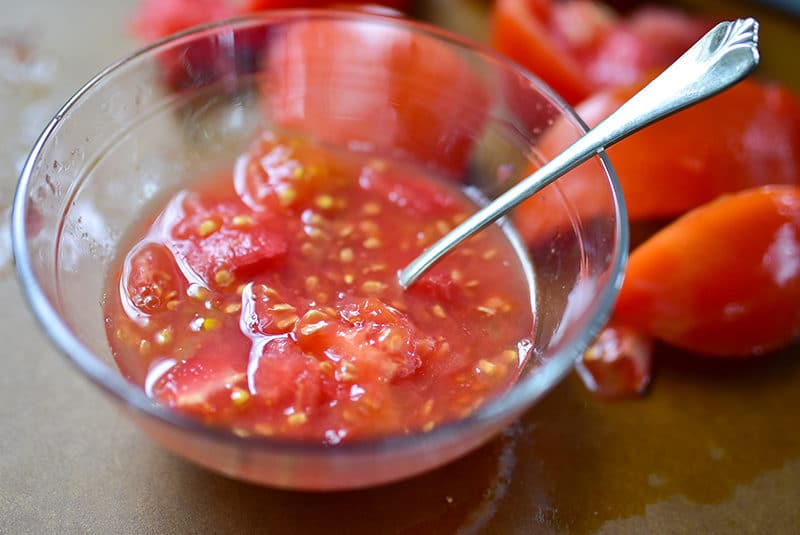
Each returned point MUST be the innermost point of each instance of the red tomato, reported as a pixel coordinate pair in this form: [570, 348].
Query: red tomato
[520, 31]
[395, 93]
[159, 18]
[219, 240]
[745, 137]
[618, 364]
[579, 46]
[724, 279]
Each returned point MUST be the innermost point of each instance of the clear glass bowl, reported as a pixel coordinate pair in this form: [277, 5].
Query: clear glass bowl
[189, 104]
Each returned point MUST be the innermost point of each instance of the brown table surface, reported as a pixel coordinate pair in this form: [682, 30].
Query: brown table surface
[712, 448]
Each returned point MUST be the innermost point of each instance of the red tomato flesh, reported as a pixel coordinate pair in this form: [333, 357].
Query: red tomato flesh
[277, 311]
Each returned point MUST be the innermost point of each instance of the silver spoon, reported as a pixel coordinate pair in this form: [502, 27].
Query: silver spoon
[720, 59]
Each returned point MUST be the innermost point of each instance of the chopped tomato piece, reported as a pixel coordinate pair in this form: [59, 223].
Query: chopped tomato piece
[371, 341]
[151, 279]
[203, 384]
[159, 18]
[520, 31]
[649, 39]
[618, 364]
[218, 240]
[440, 287]
[288, 379]
[678, 164]
[266, 312]
[724, 279]
[273, 175]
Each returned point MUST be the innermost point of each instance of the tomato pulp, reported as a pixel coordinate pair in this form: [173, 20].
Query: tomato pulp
[266, 300]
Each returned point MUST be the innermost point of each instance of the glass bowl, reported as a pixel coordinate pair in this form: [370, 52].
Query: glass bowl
[189, 104]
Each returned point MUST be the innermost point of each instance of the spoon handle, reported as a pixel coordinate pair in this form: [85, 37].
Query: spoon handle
[721, 58]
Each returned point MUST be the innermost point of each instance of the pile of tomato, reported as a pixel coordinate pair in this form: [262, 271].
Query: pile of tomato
[722, 277]
[267, 300]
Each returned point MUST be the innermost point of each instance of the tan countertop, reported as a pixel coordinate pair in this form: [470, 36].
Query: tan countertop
[712, 448]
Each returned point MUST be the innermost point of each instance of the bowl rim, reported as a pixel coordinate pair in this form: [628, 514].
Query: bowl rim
[518, 397]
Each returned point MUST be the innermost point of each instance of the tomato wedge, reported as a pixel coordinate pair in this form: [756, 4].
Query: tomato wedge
[723, 280]
[747, 136]
[579, 46]
[679, 163]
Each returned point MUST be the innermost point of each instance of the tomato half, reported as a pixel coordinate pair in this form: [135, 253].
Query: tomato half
[724, 279]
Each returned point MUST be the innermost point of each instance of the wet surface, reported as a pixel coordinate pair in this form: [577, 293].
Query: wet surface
[713, 447]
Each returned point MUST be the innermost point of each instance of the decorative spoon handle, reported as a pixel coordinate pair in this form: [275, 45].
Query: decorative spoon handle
[720, 59]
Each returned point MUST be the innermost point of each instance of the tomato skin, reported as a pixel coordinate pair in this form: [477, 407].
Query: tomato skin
[706, 150]
[723, 280]
[397, 99]
[679, 163]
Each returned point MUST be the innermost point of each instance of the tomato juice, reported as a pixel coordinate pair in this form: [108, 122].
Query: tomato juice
[266, 300]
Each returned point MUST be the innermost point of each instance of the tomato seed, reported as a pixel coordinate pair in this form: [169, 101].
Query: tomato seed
[240, 397]
[223, 277]
[298, 418]
[372, 243]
